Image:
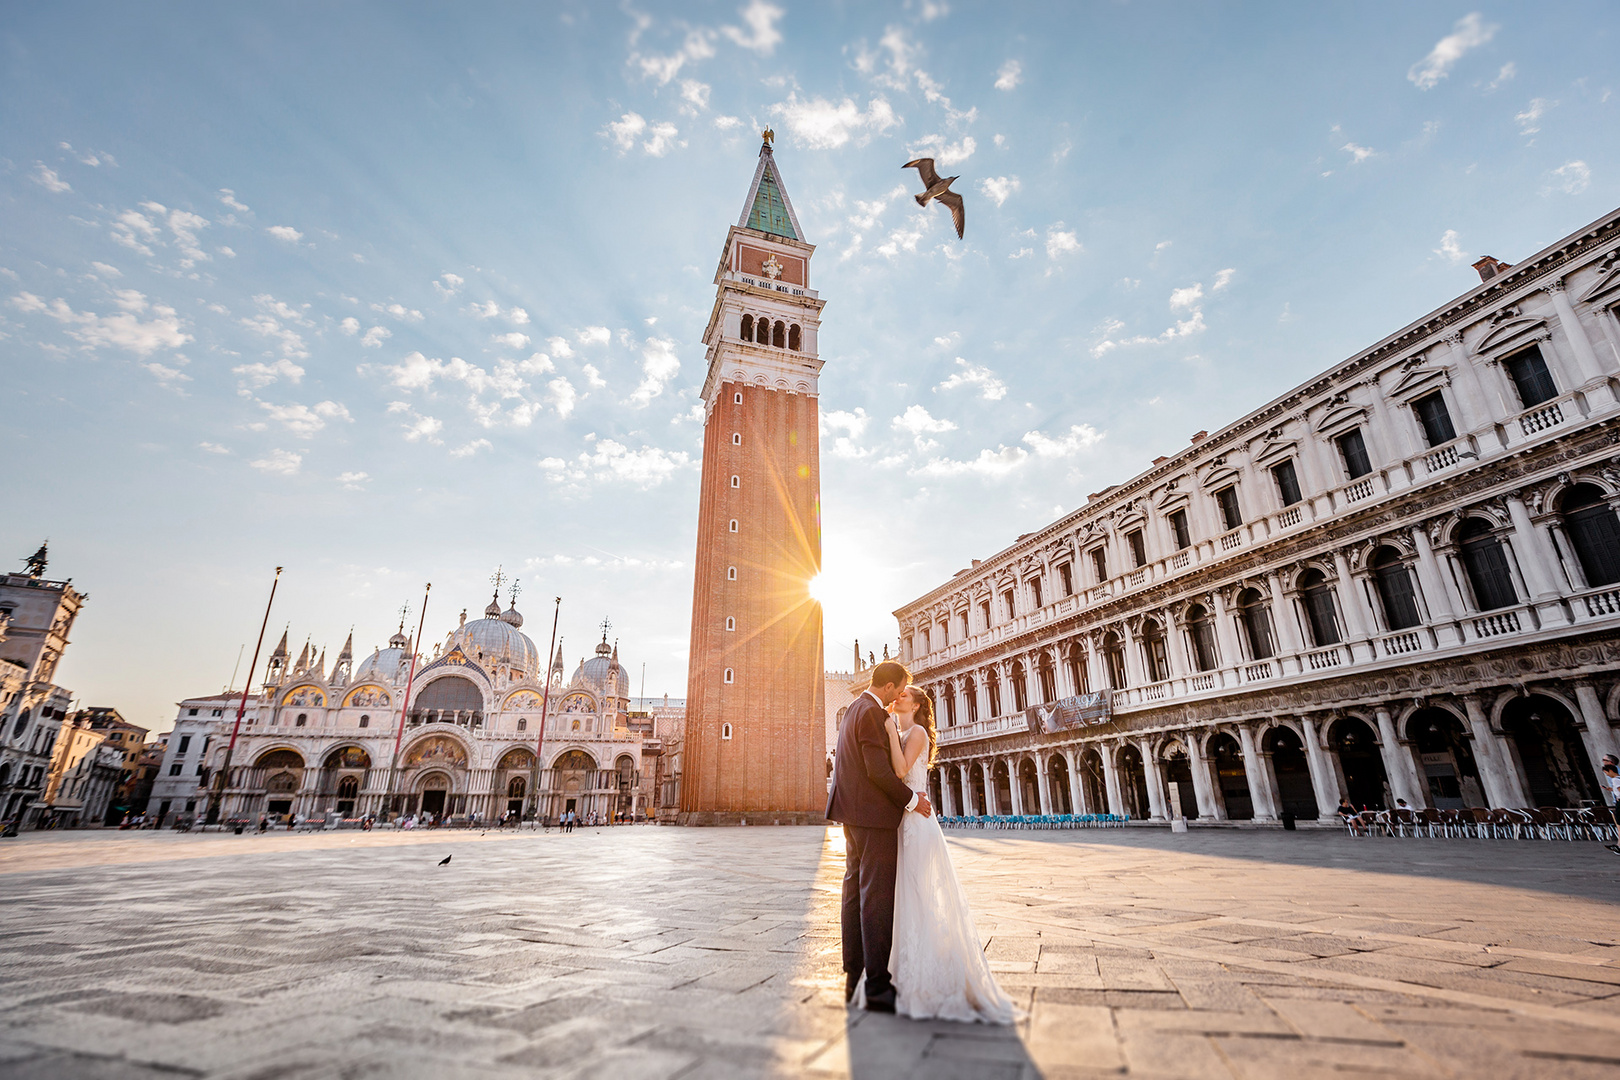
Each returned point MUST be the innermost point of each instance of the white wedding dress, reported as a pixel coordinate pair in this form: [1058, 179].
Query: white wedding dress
[937, 963]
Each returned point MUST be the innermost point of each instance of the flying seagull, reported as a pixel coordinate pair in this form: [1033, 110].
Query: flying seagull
[940, 190]
[444, 860]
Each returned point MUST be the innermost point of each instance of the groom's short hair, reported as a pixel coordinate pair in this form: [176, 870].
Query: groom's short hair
[891, 671]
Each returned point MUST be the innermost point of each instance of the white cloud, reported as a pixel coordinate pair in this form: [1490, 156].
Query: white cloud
[353, 481]
[168, 376]
[214, 448]
[695, 94]
[820, 124]
[1180, 298]
[1010, 75]
[659, 364]
[990, 387]
[852, 424]
[593, 378]
[1358, 154]
[447, 285]
[375, 337]
[132, 229]
[1469, 33]
[417, 426]
[485, 311]
[1574, 177]
[259, 375]
[944, 153]
[1529, 120]
[46, 178]
[1022, 253]
[904, 238]
[286, 233]
[228, 252]
[559, 347]
[997, 462]
[228, 197]
[1508, 71]
[517, 316]
[123, 330]
[918, 422]
[562, 396]
[514, 340]
[305, 420]
[1060, 242]
[594, 335]
[762, 36]
[350, 326]
[625, 131]
[1450, 249]
[697, 45]
[471, 448]
[726, 123]
[869, 211]
[399, 311]
[107, 270]
[1223, 278]
[279, 463]
[612, 461]
[999, 188]
[1080, 437]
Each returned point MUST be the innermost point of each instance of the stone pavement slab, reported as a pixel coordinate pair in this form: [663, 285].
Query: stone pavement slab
[678, 953]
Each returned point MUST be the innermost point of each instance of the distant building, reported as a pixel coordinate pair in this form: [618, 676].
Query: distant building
[179, 788]
[36, 615]
[130, 741]
[82, 777]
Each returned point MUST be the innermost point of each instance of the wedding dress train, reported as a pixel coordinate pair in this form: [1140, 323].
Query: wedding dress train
[937, 961]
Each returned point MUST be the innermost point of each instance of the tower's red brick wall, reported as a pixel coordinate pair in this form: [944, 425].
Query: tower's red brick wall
[773, 766]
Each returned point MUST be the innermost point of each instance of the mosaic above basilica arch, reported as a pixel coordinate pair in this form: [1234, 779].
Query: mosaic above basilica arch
[436, 750]
[366, 696]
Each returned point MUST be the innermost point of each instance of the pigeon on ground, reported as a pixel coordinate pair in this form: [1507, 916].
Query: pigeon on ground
[940, 190]
[444, 860]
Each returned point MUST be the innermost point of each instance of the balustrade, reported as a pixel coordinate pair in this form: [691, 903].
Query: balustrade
[1400, 644]
[1495, 625]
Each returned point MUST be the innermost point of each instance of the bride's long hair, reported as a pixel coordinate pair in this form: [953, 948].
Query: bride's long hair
[924, 716]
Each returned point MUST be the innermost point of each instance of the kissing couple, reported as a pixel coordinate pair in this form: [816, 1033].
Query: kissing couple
[906, 922]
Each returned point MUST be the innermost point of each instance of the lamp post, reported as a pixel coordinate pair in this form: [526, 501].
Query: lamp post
[216, 790]
[405, 703]
[545, 702]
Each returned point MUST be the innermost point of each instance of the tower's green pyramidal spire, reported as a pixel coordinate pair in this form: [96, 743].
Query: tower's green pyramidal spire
[768, 209]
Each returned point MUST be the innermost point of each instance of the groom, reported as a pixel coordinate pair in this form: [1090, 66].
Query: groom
[870, 801]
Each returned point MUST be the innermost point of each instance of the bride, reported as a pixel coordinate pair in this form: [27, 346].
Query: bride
[938, 963]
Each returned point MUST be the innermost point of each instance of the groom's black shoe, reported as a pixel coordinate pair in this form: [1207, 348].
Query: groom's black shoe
[852, 979]
[881, 1003]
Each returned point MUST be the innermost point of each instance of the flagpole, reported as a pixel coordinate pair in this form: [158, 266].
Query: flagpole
[216, 791]
[405, 704]
[545, 702]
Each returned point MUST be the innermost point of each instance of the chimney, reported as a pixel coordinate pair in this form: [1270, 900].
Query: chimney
[1490, 266]
[1200, 436]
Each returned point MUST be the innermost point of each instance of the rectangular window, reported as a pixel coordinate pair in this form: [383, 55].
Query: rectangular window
[1178, 525]
[1066, 575]
[1354, 449]
[984, 615]
[1436, 421]
[191, 712]
[927, 646]
[174, 770]
[1287, 483]
[1007, 601]
[1203, 636]
[1530, 376]
[944, 633]
[1035, 588]
[1138, 548]
[185, 744]
[967, 632]
[1230, 513]
[1099, 563]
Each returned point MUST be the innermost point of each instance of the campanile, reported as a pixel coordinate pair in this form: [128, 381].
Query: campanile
[756, 741]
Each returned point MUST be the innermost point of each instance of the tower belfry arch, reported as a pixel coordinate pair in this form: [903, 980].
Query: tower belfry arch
[756, 729]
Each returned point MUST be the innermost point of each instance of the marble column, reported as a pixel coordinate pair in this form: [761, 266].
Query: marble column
[1586, 359]
[964, 776]
[1203, 792]
[1225, 633]
[1432, 577]
[1043, 787]
[1116, 804]
[1135, 669]
[1357, 619]
[1324, 777]
[1254, 771]
[1536, 558]
[1497, 772]
[1476, 403]
[1285, 617]
[1399, 765]
[1015, 784]
[1079, 803]
[1599, 735]
[1155, 782]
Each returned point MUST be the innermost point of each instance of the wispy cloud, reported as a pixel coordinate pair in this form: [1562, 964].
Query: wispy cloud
[305, 420]
[999, 188]
[279, 463]
[825, 125]
[1010, 75]
[990, 388]
[761, 35]
[46, 177]
[285, 233]
[612, 461]
[1573, 177]
[1060, 242]
[654, 138]
[1529, 120]
[125, 329]
[659, 364]
[1470, 33]
[1449, 249]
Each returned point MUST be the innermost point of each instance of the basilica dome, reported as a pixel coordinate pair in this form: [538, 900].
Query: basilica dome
[381, 666]
[496, 637]
[596, 671]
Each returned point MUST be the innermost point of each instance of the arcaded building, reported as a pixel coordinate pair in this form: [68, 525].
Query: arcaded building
[1399, 580]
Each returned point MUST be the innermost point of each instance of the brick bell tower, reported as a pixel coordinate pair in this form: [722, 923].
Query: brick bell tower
[756, 742]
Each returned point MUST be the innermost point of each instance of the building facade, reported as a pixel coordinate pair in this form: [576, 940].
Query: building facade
[755, 732]
[316, 743]
[82, 778]
[1399, 580]
[36, 616]
[129, 740]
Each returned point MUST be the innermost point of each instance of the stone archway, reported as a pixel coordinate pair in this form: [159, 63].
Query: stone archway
[1446, 759]
[1177, 767]
[1029, 786]
[1093, 782]
[1295, 795]
[1057, 784]
[1552, 755]
[1133, 789]
[1231, 778]
[1002, 780]
[433, 793]
[1360, 763]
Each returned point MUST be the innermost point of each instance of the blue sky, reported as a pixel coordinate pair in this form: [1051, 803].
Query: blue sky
[394, 293]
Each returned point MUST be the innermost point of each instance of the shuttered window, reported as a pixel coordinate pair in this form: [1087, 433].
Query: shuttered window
[1319, 609]
[1287, 483]
[1354, 449]
[1395, 590]
[1486, 564]
[1530, 376]
[1595, 533]
[1436, 420]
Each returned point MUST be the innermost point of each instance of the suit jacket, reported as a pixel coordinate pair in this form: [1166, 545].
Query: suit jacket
[865, 791]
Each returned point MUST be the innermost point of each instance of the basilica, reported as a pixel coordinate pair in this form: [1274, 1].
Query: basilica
[459, 739]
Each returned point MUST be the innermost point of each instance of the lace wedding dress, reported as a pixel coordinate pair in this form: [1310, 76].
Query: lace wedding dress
[938, 964]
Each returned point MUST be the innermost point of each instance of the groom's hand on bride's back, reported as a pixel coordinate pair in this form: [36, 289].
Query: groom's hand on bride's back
[924, 807]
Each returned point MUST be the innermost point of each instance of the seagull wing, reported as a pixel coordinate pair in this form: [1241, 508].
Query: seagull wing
[958, 213]
[925, 169]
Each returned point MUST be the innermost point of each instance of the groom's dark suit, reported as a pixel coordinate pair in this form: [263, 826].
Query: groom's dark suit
[870, 801]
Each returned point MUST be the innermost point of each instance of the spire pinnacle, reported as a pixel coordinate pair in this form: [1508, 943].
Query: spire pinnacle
[768, 209]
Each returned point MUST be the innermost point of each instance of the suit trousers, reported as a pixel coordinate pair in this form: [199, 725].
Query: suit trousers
[870, 856]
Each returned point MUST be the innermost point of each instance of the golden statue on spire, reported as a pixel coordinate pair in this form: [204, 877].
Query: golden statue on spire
[768, 135]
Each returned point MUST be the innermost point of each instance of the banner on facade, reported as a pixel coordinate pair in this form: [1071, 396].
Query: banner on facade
[1082, 710]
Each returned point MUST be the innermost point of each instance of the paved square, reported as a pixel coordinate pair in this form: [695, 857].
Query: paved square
[658, 952]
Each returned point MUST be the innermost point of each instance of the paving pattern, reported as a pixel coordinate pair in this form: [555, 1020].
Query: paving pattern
[662, 953]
